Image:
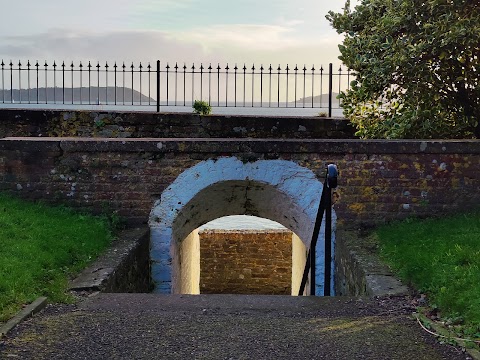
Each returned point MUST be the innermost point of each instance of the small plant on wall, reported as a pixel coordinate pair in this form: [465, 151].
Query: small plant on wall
[201, 107]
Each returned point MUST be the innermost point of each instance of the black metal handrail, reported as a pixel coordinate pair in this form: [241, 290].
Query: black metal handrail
[121, 84]
[325, 206]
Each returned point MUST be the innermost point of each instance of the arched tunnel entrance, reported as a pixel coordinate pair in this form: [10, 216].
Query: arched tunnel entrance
[278, 190]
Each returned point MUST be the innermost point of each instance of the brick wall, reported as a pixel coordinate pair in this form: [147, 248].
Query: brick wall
[246, 262]
[379, 180]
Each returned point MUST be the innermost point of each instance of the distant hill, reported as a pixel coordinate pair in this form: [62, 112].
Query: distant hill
[318, 99]
[96, 95]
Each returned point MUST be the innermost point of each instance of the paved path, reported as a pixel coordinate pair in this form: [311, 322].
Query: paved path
[148, 326]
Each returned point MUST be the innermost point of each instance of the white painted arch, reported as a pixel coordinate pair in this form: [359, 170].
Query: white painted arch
[278, 190]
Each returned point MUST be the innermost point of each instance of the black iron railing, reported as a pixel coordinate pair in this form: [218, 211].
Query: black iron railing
[162, 84]
[325, 206]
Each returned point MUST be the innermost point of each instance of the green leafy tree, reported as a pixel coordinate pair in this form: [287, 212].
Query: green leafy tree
[417, 64]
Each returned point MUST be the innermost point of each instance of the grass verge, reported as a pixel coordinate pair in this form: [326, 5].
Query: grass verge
[440, 258]
[42, 247]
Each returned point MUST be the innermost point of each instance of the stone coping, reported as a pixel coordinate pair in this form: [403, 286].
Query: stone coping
[232, 145]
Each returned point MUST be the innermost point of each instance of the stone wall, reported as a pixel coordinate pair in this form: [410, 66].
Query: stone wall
[63, 123]
[246, 262]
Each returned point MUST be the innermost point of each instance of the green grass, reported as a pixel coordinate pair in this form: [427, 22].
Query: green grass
[41, 248]
[439, 257]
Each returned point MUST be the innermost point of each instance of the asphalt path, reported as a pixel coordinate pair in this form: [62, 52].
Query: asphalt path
[149, 326]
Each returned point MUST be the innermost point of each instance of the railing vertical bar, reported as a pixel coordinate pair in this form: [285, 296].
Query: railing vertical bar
[235, 80]
[132, 67]
[63, 82]
[19, 82]
[89, 66]
[218, 84]
[167, 75]
[244, 83]
[261, 85]
[123, 83]
[36, 66]
[46, 82]
[278, 85]
[328, 240]
[28, 80]
[313, 85]
[98, 83]
[81, 82]
[149, 67]
[158, 85]
[106, 82]
[11, 81]
[176, 82]
[321, 85]
[184, 83]
[54, 83]
[330, 87]
[270, 85]
[140, 67]
[339, 82]
[3, 82]
[115, 83]
[226, 85]
[253, 81]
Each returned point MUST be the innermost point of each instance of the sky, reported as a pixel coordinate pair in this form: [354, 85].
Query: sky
[218, 31]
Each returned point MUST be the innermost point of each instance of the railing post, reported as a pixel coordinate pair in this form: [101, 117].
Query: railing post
[330, 88]
[158, 85]
[331, 183]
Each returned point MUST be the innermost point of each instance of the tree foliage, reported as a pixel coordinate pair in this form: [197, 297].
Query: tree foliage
[417, 64]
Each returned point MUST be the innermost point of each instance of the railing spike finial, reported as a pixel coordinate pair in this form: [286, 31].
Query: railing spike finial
[236, 67]
[227, 68]
[89, 65]
[3, 64]
[19, 63]
[218, 66]
[106, 65]
[115, 65]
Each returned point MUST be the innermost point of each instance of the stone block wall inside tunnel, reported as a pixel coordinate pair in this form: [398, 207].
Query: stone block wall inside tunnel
[217, 261]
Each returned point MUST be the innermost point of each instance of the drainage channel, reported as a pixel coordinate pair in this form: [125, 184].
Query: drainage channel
[125, 268]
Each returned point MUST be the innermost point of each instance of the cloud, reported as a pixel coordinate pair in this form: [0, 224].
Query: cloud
[276, 44]
[117, 45]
